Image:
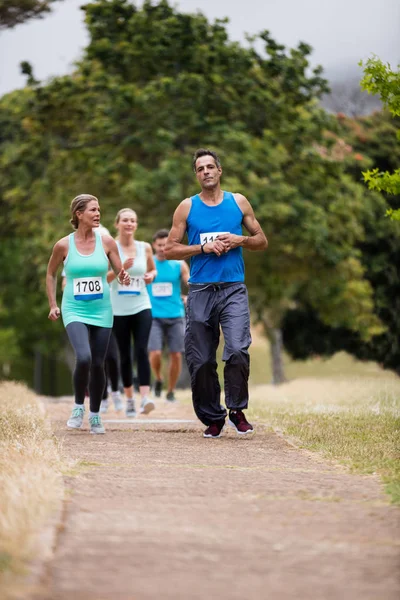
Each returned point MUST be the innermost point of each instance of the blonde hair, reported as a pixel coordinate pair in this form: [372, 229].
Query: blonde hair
[119, 213]
[78, 204]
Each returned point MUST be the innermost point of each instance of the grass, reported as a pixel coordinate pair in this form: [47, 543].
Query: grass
[30, 480]
[345, 409]
[355, 421]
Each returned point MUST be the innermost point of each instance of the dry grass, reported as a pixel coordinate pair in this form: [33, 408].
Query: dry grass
[30, 480]
[353, 420]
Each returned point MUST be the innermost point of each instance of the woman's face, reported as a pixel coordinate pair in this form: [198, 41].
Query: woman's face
[127, 222]
[90, 216]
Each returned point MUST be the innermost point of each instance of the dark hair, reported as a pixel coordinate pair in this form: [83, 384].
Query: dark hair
[160, 234]
[205, 152]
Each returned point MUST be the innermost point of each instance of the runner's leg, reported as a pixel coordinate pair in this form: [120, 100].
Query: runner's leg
[78, 334]
[99, 338]
[201, 343]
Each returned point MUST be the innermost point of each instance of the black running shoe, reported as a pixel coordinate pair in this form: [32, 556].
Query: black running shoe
[157, 388]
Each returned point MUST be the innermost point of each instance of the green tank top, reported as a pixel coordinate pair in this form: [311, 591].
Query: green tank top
[86, 296]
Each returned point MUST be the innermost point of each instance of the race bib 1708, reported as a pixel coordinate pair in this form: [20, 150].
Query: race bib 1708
[210, 237]
[133, 289]
[161, 290]
[88, 288]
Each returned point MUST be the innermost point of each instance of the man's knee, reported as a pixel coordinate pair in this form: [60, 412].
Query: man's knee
[236, 356]
[155, 354]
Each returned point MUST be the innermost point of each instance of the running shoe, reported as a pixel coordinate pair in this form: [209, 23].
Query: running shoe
[157, 388]
[118, 404]
[170, 397]
[239, 422]
[215, 429]
[96, 426]
[147, 405]
[76, 419]
[130, 409]
[104, 406]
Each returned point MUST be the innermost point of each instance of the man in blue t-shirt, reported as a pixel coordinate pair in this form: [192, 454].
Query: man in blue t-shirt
[213, 221]
[168, 315]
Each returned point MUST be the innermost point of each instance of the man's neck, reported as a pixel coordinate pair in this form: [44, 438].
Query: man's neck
[213, 196]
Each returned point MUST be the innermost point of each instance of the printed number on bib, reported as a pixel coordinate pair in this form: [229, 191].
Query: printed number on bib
[162, 290]
[133, 289]
[210, 237]
[88, 288]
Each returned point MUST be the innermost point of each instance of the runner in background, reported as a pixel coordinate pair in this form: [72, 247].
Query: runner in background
[86, 306]
[168, 315]
[213, 221]
[132, 309]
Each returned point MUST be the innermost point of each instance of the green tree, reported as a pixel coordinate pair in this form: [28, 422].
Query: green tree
[382, 80]
[15, 12]
[153, 85]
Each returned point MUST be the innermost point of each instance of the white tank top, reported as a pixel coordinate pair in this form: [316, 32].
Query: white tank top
[130, 300]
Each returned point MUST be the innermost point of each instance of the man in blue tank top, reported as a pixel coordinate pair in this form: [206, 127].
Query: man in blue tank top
[213, 222]
[168, 315]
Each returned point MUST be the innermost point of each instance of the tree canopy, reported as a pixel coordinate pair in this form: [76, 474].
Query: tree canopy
[15, 12]
[152, 86]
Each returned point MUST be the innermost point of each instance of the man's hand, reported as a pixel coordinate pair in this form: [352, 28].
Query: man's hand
[54, 313]
[230, 240]
[218, 247]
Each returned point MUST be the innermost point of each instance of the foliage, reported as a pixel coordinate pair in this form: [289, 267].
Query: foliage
[15, 12]
[380, 79]
[153, 85]
[372, 139]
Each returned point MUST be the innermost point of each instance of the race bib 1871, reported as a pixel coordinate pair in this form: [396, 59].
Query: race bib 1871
[88, 288]
[161, 290]
[133, 289]
[210, 237]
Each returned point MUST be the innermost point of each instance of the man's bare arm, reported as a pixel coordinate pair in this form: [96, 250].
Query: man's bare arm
[256, 240]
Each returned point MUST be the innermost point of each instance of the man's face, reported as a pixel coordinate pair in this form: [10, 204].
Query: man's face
[159, 247]
[207, 172]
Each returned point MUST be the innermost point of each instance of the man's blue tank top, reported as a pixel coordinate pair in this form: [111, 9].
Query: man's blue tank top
[203, 224]
[165, 291]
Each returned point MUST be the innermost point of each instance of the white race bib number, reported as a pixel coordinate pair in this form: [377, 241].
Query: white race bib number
[161, 290]
[210, 237]
[133, 289]
[88, 288]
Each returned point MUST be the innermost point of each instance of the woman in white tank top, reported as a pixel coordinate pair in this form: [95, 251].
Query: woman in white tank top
[132, 309]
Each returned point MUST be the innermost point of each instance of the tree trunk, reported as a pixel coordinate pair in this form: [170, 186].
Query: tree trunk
[278, 373]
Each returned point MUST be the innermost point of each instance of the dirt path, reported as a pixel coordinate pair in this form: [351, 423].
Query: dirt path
[159, 512]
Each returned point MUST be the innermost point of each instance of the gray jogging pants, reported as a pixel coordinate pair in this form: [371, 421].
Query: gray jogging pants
[209, 307]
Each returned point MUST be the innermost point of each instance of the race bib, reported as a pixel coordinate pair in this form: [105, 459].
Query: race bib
[88, 288]
[161, 290]
[210, 237]
[133, 289]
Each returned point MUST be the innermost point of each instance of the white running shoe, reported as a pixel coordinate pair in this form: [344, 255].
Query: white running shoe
[104, 406]
[118, 404]
[147, 405]
[130, 409]
[76, 419]
[96, 426]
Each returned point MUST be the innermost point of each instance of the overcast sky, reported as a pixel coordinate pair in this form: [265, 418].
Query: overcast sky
[341, 32]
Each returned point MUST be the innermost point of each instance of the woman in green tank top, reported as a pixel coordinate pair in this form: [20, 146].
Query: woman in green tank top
[86, 306]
